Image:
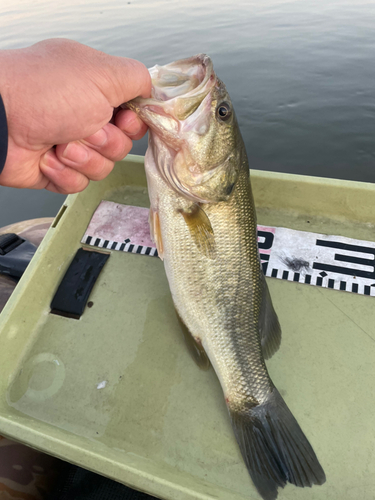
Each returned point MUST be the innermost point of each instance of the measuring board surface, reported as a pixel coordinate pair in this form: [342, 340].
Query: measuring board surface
[316, 259]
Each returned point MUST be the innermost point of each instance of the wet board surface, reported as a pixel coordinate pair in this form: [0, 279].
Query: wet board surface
[328, 261]
[117, 391]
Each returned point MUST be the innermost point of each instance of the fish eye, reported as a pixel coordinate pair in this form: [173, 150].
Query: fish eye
[223, 111]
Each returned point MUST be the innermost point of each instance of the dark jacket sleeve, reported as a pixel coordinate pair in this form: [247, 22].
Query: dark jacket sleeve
[3, 135]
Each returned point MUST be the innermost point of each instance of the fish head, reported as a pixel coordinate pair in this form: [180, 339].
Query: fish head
[193, 129]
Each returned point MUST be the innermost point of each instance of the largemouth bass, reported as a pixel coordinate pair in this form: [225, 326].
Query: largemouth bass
[203, 222]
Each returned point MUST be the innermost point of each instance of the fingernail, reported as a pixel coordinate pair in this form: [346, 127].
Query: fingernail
[97, 139]
[49, 160]
[75, 152]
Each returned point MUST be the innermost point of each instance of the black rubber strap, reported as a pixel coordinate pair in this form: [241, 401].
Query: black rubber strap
[3, 135]
[77, 283]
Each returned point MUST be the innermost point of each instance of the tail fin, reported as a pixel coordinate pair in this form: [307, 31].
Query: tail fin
[274, 447]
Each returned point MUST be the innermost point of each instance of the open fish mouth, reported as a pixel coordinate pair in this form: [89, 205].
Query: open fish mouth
[178, 89]
[179, 108]
[180, 77]
[185, 82]
[186, 129]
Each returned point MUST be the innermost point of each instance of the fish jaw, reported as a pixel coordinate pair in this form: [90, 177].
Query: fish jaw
[170, 140]
[178, 89]
[181, 86]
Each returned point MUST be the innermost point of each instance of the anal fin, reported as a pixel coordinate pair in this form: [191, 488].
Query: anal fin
[194, 347]
[200, 230]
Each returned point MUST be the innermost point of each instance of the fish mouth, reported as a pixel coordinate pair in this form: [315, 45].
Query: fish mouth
[177, 91]
[183, 80]
[180, 104]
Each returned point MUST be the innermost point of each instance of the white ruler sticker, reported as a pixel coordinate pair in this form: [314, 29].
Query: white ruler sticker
[120, 227]
[315, 259]
[318, 259]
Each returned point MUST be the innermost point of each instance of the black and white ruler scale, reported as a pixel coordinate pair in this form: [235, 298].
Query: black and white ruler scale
[315, 259]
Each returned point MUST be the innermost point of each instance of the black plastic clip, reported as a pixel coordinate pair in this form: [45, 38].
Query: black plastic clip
[75, 288]
[15, 254]
[8, 242]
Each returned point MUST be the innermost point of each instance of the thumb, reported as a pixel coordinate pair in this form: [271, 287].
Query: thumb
[122, 79]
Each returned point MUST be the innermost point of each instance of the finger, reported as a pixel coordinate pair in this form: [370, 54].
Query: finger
[85, 160]
[126, 79]
[120, 79]
[129, 122]
[62, 179]
[110, 142]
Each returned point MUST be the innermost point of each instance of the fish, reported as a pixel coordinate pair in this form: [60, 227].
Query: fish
[203, 221]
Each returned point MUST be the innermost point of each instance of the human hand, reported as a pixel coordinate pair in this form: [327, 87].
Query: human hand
[61, 93]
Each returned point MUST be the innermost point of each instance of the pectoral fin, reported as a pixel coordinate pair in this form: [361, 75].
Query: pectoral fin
[194, 347]
[269, 326]
[200, 229]
[155, 232]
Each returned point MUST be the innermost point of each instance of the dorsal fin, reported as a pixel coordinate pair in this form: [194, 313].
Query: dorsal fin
[269, 326]
[200, 229]
[194, 347]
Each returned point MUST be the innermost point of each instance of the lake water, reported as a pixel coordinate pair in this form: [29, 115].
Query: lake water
[301, 73]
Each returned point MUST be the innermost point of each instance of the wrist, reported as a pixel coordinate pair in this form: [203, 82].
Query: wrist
[3, 135]
[5, 87]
